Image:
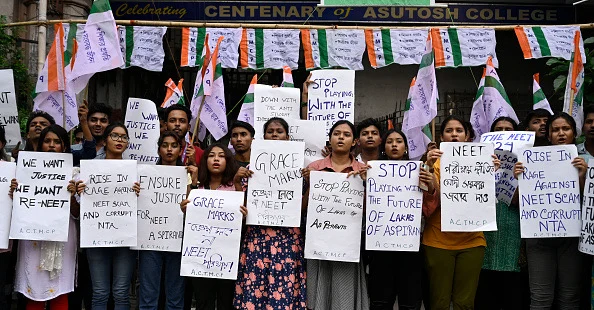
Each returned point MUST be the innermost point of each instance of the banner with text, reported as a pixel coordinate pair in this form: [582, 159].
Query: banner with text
[143, 126]
[275, 189]
[587, 235]
[9, 117]
[506, 144]
[271, 102]
[549, 192]
[331, 96]
[467, 178]
[212, 234]
[160, 219]
[334, 217]
[108, 206]
[7, 173]
[309, 132]
[41, 201]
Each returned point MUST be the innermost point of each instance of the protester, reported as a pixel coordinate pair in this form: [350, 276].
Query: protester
[453, 259]
[5, 255]
[153, 263]
[178, 119]
[555, 264]
[536, 120]
[369, 138]
[78, 136]
[38, 121]
[112, 268]
[162, 121]
[271, 265]
[242, 135]
[98, 117]
[45, 269]
[399, 274]
[501, 283]
[217, 171]
[332, 284]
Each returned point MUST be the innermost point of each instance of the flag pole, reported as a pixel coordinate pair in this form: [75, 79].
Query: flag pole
[197, 124]
[571, 97]
[433, 130]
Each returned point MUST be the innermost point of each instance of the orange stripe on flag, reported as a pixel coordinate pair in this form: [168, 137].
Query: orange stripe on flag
[577, 61]
[490, 61]
[537, 77]
[370, 47]
[307, 49]
[484, 73]
[414, 80]
[185, 46]
[390, 125]
[437, 47]
[243, 46]
[523, 39]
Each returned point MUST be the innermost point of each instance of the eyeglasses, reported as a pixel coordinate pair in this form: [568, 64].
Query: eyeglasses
[116, 137]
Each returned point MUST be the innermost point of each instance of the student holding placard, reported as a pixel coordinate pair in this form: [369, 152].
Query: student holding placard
[153, 263]
[271, 258]
[217, 171]
[333, 284]
[555, 264]
[501, 283]
[45, 269]
[114, 264]
[177, 118]
[369, 139]
[453, 259]
[396, 273]
[5, 254]
[242, 135]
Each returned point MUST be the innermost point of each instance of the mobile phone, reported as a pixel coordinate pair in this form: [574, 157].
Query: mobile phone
[423, 185]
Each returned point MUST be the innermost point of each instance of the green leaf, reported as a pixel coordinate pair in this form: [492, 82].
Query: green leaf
[554, 61]
[589, 40]
[559, 82]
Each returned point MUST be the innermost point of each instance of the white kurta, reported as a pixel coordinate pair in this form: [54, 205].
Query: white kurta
[35, 283]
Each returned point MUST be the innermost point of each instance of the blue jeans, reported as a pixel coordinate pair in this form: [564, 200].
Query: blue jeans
[149, 275]
[111, 266]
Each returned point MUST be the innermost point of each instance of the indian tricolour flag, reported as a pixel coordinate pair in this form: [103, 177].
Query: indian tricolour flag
[548, 41]
[214, 112]
[142, 47]
[573, 100]
[198, 97]
[51, 77]
[478, 119]
[174, 94]
[463, 46]
[333, 48]
[98, 43]
[269, 48]
[401, 46]
[539, 98]
[287, 77]
[421, 107]
[495, 100]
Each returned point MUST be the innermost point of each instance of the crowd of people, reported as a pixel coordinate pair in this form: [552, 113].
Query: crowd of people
[463, 270]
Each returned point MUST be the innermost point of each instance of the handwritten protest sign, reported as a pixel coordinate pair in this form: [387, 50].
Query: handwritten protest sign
[108, 212]
[41, 202]
[394, 206]
[309, 132]
[506, 144]
[274, 102]
[7, 173]
[142, 46]
[549, 192]
[160, 219]
[331, 97]
[275, 188]
[334, 217]
[229, 48]
[587, 235]
[9, 117]
[467, 177]
[143, 126]
[212, 234]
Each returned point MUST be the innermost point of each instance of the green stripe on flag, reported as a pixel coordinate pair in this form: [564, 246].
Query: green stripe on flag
[259, 48]
[427, 60]
[129, 44]
[70, 43]
[323, 48]
[479, 93]
[249, 98]
[578, 100]
[407, 104]
[427, 132]
[455, 42]
[545, 50]
[539, 96]
[100, 6]
[218, 71]
[387, 46]
[493, 82]
[200, 37]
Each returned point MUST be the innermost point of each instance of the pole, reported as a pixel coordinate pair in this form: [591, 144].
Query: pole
[41, 35]
[571, 97]
[433, 130]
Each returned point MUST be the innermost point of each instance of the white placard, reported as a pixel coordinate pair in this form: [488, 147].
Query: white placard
[143, 126]
[7, 173]
[549, 192]
[331, 97]
[9, 117]
[467, 177]
[160, 219]
[108, 206]
[229, 48]
[271, 102]
[587, 235]
[334, 216]
[310, 132]
[506, 144]
[41, 202]
[275, 189]
[394, 206]
[212, 234]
